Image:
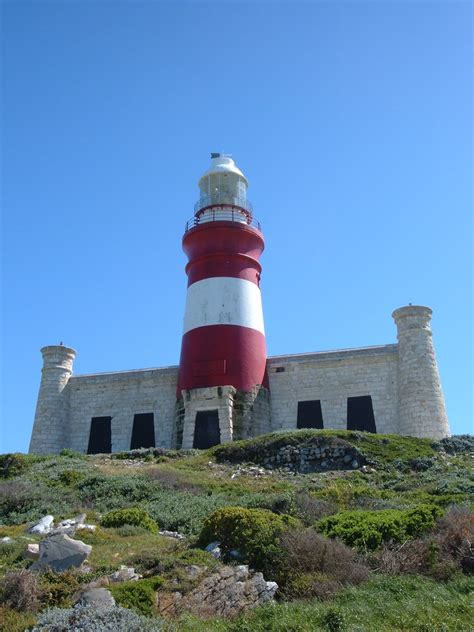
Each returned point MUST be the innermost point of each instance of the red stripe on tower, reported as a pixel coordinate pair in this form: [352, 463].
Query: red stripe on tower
[223, 337]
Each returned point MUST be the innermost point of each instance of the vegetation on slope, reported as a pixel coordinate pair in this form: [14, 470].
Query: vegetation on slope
[382, 547]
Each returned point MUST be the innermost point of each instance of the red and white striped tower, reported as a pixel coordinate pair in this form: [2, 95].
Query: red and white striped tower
[223, 339]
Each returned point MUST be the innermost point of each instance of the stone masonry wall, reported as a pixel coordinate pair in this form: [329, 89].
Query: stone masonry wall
[405, 389]
[332, 377]
[121, 396]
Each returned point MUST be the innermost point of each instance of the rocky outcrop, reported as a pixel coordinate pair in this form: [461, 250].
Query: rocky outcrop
[225, 593]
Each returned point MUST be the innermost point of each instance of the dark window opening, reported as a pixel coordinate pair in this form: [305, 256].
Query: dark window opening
[206, 429]
[280, 369]
[360, 414]
[310, 414]
[100, 437]
[143, 432]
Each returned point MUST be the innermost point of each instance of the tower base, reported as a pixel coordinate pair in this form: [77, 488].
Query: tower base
[219, 414]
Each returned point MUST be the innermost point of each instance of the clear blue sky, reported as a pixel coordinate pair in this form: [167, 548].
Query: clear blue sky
[352, 121]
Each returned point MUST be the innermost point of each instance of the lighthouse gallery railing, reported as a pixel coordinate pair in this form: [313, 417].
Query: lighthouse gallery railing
[224, 212]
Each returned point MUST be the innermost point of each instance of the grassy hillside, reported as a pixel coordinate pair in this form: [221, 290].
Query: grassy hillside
[381, 544]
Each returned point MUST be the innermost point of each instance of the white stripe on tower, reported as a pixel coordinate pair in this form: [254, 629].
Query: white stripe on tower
[223, 301]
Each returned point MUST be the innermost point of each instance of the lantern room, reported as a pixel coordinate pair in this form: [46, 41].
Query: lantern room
[223, 192]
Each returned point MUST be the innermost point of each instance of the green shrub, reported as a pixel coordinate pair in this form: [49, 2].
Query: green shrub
[72, 454]
[13, 621]
[130, 530]
[57, 589]
[368, 529]
[112, 492]
[182, 511]
[131, 516]
[254, 532]
[333, 620]
[24, 501]
[137, 595]
[456, 444]
[12, 465]
[11, 554]
[70, 477]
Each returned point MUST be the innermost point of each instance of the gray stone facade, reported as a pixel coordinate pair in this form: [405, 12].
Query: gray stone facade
[401, 379]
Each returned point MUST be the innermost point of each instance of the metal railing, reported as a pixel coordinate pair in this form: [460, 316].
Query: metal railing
[223, 198]
[222, 213]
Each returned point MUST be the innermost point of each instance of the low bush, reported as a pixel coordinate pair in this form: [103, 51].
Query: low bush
[16, 498]
[182, 511]
[283, 503]
[131, 516]
[254, 532]
[12, 465]
[130, 530]
[13, 621]
[22, 500]
[173, 480]
[20, 590]
[333, 620]
[310, 565]
[11, 554]
[368, 529]
[455, 536]
[137, 595]
[310, 509]
[69, 478]
[72, 454]
[145, 454]
[456, 444]
[83, 618]
[57, 589]
[441, 554]
[105, 493]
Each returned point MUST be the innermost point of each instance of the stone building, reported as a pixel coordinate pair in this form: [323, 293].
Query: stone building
[225, 387]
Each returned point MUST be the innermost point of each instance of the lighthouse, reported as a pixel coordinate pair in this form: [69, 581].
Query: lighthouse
[222, 388]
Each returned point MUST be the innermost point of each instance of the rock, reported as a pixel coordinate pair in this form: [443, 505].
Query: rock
[355, 464]
[214, 549]
[225, 593]
[235, 555]
[124, 574]
[347, 459]
[6, 540]
[193, 571]
[270, 590]
[44, 525]
[96, 598]
[70, 525]
[79, 519]
[60, 552]
[172, 534]
[31, 551]
[86, 527]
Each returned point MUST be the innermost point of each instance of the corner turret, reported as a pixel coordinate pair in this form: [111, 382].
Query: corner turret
[421, 407]
[50, 427]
